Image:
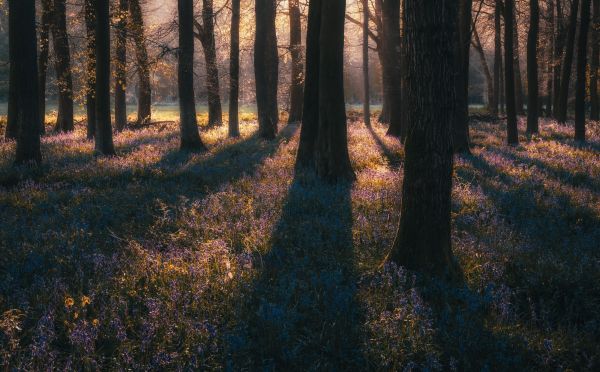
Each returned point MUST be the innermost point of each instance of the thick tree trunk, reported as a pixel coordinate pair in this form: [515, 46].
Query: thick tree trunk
[509, 77]
[331, 151]
[44, 37]
[103, 136]
[190, 138]
[462, 43]
[297, 80]
[423, 241]
[365, 61]
[582, 49]
[497, 56]
[391, 45]
[489, 80]
[519, 101]
[90, 91]
[559, 46]
[24, 60]
[532, 69]
[595, 62]
[206, 35]
[234, 71]
[266, 68]
[12, 128]
[62, 57]
[143, 64]
[121, 66]
[565, 76]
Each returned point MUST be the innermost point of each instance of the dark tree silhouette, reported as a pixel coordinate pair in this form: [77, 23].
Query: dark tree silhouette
[190, 138]
[580, 92]
[143, 64]
[559, 46]
[44, 37]
[509, 75]
[90, 91]
[566, 66]
[12, 129]
[497, 57]
[121, 65]
[423, 241]
[24, 60]
[266, 68]
[103, 135]
[532, 68]
[297, 80]
[365, 61]
[462, 45]
[595, 62]
[205, 32]
[62, 58]
[234, 71]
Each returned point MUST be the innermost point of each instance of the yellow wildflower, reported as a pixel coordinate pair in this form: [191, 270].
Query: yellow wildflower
[85, 300]
[69, 301]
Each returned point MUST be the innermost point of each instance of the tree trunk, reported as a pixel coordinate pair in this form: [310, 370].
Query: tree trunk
[519, 101]
[391, 46]
[559, 46]
[489, 81]
[331, 151]
[104, 141]
[595, 62]
[509, 77]
[462, 43]
[234, 71]
[121, 66]
[190, 138]
[206, 35]
[532, 69]
[497, 56]
[423, 241]
[62, 57]
[143, 64]
[266, 68]
[12, 129]
[565, 76]
[581, 71]
[44, 37]
[297, 85]
[90, 91]
[550, 57]
[365, 60]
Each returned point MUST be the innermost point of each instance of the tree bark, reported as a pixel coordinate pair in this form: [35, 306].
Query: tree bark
[391, 57]
[532, 69]
[581, 71]
[559, 46]
[565, 77]
[489, 80]
[509, 77]
[266, 68]
[595, 62]
[206, 35]
[90, 93]
[423, 241]
[550, 56]
[12, 128]
[24, 60]
[519, 101]
[234, 71]
[44, 37]
[62, 57]
[462, 44]
[143, 64]
[190, 137]
[365, 60]
[103, 136]
[297, 85]
[497, 56]
[121, 66]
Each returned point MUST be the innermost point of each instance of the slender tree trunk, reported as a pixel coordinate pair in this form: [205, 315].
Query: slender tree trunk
[331, 151]
[297, 85]
[206, 35]
[489, 80]
[103, 136]
[532, 69]
[550, 57]
[423, 241]
[391, 46]
[90, 91]
[190, 137]
[234, 71]
[62, 56]
[143, 64]
[462, 44]
[365, 60]
[519, 101]
[121, 66]
[12, 128]
[497, 55]
[509, 78]
[566, 67]
[44, 37]
[266, 68]
[24, 60]
[559, 46]
[581, 71]
[595, 62]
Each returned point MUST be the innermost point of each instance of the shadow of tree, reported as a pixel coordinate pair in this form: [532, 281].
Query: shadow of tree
[394, 159]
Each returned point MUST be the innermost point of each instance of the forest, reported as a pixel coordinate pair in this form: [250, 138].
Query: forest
[354, 185]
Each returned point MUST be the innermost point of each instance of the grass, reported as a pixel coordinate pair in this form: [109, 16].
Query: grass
[158, 259]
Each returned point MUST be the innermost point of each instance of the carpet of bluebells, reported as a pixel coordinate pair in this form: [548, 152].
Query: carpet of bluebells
[158, 259]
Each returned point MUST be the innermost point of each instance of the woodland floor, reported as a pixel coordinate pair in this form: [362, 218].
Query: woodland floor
[158, 259]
